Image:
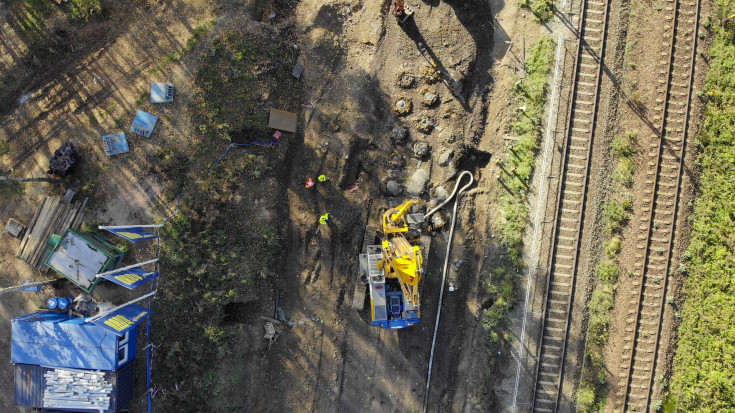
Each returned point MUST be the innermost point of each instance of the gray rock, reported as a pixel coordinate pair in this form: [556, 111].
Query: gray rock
[440, 194]
[417, 183]
[399, 134]
[445, 157]
[394, 188]
[421, 149]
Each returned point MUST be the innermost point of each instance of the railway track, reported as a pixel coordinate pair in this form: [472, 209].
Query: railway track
[655, 231]
[570, 205]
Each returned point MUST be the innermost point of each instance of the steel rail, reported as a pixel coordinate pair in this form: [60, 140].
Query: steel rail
[637, 342]
[545, 357]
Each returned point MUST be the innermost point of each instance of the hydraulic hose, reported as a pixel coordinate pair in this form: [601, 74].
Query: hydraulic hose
[444, 272]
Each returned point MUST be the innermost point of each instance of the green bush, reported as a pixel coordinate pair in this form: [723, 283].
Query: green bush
[607, 270]
[518, 161]
[612, 247]
[586, 399]
[85, 9]
[543, 10]
[614, 215]
[623, 173]
[4, 147]
[624, 145]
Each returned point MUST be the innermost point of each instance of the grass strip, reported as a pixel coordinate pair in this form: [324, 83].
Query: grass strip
[704, 365]
[529, 96]
[593, 389]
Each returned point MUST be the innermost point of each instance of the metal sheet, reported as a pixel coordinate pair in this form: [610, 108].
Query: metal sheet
[55, 339]
[282, 120]
[132, 278]
[28, 385]
[76, 260]
[133, 234]
[143, 123]
[123, 320]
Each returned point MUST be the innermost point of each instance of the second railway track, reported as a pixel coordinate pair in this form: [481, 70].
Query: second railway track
[571, 200]
[656, 228]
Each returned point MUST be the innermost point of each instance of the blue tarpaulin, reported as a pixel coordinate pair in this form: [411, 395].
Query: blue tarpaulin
[131, 278]
[54, 339]
[133, 233]
[123, 319]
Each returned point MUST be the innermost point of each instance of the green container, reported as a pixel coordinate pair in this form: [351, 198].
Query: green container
[80, 256]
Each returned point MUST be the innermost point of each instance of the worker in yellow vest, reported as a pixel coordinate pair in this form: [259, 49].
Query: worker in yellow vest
[323, 219]
[323, 178]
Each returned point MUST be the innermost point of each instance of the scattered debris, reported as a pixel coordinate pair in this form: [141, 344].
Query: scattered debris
[280, 119]
[24, 98]
[270, 331]
[399, 134]
[428, 96]
[143, 123]
[449, 136]
[440, 194]
[406, 80]
[402, 106]
[63, 160]
[424, 124]
[355, 187]
[431, 75]
[15, 228]
[115, 144]
[438, 221]
[162, 92]
[397, 161]
[298, 70]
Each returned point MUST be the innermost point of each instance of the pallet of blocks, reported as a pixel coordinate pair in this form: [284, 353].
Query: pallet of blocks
[76, 389]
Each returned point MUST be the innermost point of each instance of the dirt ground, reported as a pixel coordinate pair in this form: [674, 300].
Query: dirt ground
[353, 54]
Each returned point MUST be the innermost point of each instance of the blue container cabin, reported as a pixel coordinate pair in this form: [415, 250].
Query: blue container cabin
[49, 343]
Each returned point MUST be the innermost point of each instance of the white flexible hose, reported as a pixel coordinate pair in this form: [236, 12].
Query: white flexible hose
[444, 273]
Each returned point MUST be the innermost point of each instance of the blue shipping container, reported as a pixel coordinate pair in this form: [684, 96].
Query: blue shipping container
[53, 339]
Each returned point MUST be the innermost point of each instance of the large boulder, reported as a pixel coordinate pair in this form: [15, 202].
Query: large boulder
[394, 188]
[417, 183]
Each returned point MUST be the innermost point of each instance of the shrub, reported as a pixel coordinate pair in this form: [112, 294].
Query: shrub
[607, 270]
[4, 147]
[85, 9]
[614, 215]
[624, 145]
[612, 247]
[623, 174]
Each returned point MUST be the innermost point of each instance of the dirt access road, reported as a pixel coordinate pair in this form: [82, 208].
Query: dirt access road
[354, 55]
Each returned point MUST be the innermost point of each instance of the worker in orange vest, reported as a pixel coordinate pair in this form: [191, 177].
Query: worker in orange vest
[309, 183]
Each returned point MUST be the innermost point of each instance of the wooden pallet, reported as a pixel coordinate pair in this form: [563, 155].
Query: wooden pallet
[53, 216]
